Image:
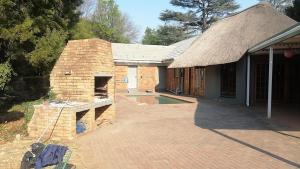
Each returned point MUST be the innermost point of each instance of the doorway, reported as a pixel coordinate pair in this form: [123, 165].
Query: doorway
[132, 77]
[162, 73]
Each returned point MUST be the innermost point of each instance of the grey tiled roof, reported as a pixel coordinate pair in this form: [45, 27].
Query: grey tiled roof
[180, 47]
[148, 53]
[138, 52]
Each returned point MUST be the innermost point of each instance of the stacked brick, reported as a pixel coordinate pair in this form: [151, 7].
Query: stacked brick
[148, 78]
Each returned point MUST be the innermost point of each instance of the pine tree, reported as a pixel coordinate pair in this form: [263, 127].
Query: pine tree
[280, 5]
[294, 11]
[201, 13]
[169, 34]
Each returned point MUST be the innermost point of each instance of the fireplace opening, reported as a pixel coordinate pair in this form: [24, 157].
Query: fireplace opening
[99, 118]
[81, 122]
[101, 84]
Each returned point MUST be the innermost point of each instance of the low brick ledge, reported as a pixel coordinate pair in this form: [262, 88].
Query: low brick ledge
[81, 106]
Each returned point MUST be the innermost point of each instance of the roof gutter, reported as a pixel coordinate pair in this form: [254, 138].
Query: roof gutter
[290, 32]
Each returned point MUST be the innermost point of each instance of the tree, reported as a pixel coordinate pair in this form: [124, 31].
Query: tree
[280, 5]
[164, 35]
[294, 11]
[129, 29]
[47, 50]
[83, 30]
[170, 34]
[105, 22]
[86, 8]
[201, 13]
[6, 74]
[151, 37]
[23, 26]
[32, 35]
[111, 24]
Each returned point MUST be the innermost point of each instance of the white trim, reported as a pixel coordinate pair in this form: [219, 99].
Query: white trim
[248, 81]
[270, 83]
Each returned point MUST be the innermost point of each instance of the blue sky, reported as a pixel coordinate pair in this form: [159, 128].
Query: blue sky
[146, 12]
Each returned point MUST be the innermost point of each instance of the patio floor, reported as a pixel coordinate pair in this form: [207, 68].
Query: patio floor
[205, 134]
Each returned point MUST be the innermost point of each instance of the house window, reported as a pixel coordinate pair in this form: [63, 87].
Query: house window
[228, 80]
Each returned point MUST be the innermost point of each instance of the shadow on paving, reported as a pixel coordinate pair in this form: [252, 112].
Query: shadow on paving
[213, 115]
[216, 115]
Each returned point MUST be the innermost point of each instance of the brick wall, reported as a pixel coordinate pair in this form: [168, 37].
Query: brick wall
[147, 78]
[43, 116]
[121, 75]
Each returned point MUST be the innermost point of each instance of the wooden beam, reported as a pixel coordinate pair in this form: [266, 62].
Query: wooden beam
[270, 83]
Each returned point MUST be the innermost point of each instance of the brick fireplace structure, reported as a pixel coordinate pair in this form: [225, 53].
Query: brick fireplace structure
[84, 83]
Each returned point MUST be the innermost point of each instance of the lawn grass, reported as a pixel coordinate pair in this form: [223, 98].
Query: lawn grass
[14, 118]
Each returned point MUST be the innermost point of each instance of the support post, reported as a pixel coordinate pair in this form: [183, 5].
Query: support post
[270, 82]
[248, 81]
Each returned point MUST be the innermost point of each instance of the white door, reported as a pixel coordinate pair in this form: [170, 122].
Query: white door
[132, 77]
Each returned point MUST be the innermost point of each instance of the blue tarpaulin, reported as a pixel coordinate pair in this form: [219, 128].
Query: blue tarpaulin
[80, 127]
[51, 155]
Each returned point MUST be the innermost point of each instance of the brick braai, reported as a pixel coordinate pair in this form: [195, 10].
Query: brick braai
[82, 60]
[73, 79]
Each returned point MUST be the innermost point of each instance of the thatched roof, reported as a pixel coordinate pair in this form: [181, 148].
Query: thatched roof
[229, 39]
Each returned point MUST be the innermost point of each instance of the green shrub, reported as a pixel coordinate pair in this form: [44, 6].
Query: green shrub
[6, 74]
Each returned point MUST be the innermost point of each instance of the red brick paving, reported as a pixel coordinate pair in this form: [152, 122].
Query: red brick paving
[186, 136]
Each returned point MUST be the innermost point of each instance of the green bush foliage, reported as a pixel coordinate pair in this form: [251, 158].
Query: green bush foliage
[6, 74]
[47, 50]
[33, 34]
